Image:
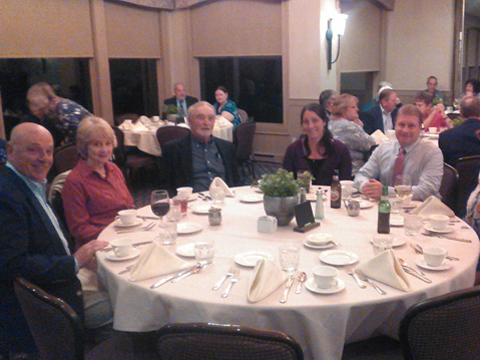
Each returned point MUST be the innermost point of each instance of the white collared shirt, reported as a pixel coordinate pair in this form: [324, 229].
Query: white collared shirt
[387, 120]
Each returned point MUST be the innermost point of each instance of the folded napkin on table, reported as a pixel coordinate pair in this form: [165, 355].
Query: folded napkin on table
[126, 125]
[218, 182]
[266, 278]
[139, 127]
[222, 122]
[156, 261]
[432, 205]
[385, 268]
[379, 137]
[145, 120]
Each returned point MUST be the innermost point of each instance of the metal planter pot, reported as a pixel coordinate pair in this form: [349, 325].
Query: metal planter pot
[280, 207]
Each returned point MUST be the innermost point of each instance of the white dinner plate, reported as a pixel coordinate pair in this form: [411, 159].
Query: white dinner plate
[188, 228]
[320, 239]
[396, 242]
[111, 255]
[311, 285]
[427, 226]
[252, 198]
[201, 208]
[250, 258]
[317, 247]
[338, 257]
[119, 224]
[365, 204]
[396, 220]
[420, 261]
[187, 250]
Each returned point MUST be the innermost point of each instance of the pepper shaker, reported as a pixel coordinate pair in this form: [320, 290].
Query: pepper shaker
[215, 216]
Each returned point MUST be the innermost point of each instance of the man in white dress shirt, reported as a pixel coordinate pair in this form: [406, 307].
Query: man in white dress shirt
[422, 160]
[381, 116]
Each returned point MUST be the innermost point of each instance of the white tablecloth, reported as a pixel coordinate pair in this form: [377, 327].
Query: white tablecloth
[322, 324]
[147, 140]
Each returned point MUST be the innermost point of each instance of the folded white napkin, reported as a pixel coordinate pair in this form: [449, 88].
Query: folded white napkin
[154, 262]
[88, 279]
[145, 120]
[126, 125]
[385, 268]
[218, 182]
[266, 278]
[379, 136]
[432, 205]
[221, 122]
[139, 127]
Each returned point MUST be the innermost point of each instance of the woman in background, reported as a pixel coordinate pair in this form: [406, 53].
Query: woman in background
[316, 150]
[226, 107]
[472, 87]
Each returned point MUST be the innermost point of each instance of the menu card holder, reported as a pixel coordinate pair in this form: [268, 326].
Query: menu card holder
[305, 219]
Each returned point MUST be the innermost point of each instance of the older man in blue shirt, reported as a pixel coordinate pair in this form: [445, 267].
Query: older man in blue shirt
[422, 160]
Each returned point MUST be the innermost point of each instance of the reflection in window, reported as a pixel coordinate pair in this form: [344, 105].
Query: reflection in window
[253, 83]
[134, 86]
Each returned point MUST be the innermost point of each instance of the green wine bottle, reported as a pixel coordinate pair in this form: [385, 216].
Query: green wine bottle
[384, 213]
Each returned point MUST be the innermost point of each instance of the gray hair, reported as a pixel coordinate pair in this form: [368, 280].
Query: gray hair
[92, 127]
[197, 105]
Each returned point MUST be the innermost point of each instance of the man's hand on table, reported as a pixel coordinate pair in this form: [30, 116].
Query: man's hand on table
[87, 252]
[372, 189]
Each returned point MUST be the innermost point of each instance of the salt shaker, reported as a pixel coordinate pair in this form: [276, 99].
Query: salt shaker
[215, 216]
[319, 215]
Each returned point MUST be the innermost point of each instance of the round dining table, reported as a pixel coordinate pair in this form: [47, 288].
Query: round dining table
[321, 323]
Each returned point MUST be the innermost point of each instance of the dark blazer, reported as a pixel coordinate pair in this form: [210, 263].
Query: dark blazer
[190, 100]
[29, 247]
[372, 118]
[178, 158]
[460, 141]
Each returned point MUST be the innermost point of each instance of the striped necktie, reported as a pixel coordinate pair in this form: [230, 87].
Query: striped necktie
[398, 165]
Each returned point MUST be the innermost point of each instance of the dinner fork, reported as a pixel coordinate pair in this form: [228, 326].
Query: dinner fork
[145, 228]
[365, 278]
[225, 277]
[350, 271]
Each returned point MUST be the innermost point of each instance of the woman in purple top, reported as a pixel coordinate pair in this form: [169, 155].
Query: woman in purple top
[316, 150]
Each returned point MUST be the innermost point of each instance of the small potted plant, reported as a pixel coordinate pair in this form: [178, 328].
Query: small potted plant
[305, 179]
[280, 195]
[170, 112]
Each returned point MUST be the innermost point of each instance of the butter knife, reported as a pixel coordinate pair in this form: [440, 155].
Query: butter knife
[284, 298]
[171, 277]
[410, 272]
[191, 272]
[222, 280]
[365, 278]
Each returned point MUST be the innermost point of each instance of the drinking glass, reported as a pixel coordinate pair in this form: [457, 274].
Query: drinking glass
[160, 203]
[289, 256]
[403, 186]
[204, 251]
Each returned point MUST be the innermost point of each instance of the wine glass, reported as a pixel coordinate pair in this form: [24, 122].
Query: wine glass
[403, 186]
[160, 203]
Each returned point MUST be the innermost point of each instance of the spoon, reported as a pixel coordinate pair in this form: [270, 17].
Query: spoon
[302, 277]
[403, 263]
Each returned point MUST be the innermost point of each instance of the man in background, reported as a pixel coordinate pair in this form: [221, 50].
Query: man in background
[381, 116]
[437, 95]
[181, 100]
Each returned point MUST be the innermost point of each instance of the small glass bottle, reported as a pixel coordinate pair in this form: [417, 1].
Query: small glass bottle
[319, 213]
[335, 192]
[215, 216]
[384, 209]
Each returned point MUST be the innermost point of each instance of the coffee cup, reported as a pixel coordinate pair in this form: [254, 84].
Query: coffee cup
[127, 217]
[434, 256]
[439, 222]
[325, 276]
[184, 192]
[122, 247]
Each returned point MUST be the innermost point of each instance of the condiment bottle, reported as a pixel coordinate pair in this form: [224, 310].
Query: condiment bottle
[319, 215]
[384, 213]
[215, 216]
[336, 192]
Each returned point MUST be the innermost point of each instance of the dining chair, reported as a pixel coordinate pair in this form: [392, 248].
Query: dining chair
[65, 158]
[243, 137]
[166, 134]
[224, 342]
[445, 327]
[59, 333]
[448, 185]
[243, 115]
[468, 168]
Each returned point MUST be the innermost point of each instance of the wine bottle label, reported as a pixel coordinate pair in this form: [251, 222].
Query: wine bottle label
[335, 195]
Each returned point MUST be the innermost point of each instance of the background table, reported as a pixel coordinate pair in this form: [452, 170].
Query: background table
[320, 323]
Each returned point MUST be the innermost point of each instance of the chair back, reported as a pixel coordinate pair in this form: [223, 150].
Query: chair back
[243, 115]
[446, 327]
[65, 158]
[55, 326]
[166, 134]
[119, 155]
[448, 185]
[468, 168]
[224, 342]
[243, 141]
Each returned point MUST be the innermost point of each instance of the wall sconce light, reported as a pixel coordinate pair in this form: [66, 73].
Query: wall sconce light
[335, 26]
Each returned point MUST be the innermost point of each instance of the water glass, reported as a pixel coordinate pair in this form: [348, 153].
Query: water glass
[204, 251]
[168, 233]
[174, 212]
[382, 242]
[218, 194]
[289, 256]
[412, 225]
[183, 203]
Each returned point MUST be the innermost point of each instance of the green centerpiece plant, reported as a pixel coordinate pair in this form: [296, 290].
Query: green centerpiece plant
[170, 112]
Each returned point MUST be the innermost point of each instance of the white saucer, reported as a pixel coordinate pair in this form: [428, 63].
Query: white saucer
[396, 220]
[188, 228]
[187, 250]
[119, 224]
[365, 204]
[421, 262]
[192, 197]
[317, 247]
[311, 285]
[201, 208]
[396, 242]
[250, 258]
[338, 257]
[112, 257]
[448, 230]
[252, 198]
[320, 241]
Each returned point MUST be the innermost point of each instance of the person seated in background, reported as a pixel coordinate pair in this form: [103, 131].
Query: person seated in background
[226, 107]
[381, 116]
[66, 114]
[462, 140]
[409, 155]
[316, 150]
[437, 95]
[95, 190]
[181, 100]
[346, 127]
[326, 99]
[382, 85]
[32, 242]
[472, 87]
[195, 160]
[433, 117]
